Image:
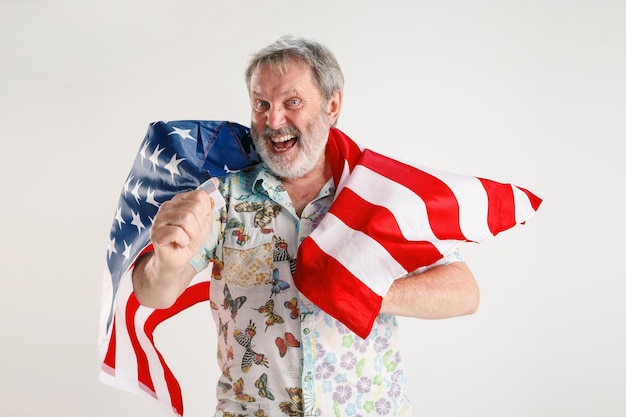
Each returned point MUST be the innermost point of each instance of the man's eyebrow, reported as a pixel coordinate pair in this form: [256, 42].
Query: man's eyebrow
[292, 92]
[287, 93]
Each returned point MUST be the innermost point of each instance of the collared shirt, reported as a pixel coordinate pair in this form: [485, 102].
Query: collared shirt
[279, 353]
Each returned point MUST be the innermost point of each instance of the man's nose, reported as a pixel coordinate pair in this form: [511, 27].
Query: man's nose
[276, 117]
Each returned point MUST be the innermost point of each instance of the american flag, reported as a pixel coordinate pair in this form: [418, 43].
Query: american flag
[388, 218]
[174, 156]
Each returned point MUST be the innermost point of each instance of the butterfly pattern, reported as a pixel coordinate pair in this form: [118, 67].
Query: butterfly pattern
[268, 310]
[282, 343]
[259, 413]
[242, 237]
[225, 386]
[223, 330]
[249, 364]
[281, 249]
[244, 338]
[292, 306]
[294, 407]
[278, 285]
[264, 211]
[232, 304]
[216, 272]
[261, 385]
[281, 253]
[239, 394]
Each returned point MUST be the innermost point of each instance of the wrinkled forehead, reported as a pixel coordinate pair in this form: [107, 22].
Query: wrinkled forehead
[288, 73]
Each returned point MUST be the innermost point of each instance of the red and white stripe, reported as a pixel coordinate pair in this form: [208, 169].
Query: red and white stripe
[130, 359]
[389, 219]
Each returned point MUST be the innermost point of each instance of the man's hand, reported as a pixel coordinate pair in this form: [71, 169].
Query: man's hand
[180, 228]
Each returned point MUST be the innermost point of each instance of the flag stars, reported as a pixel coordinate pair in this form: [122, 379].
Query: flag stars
[183, 133]
[127, 184]
[172, 165]
[150, 198]
[143, 150]
[137, 221]
[127, 250]
[111, 247]
[119, 218]
[135, 191]
[154, 158]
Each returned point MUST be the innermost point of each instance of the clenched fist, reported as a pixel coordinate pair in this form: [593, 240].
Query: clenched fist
[180, 228]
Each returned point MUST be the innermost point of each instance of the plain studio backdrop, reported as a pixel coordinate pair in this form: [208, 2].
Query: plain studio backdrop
[528, 92]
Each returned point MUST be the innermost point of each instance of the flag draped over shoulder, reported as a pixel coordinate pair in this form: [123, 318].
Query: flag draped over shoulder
[388, 219]
[174, 157]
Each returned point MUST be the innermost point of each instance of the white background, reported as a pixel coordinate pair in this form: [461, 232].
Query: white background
[530, 92]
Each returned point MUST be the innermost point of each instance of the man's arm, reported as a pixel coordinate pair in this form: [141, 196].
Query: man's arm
[441, 292]
[155, 287]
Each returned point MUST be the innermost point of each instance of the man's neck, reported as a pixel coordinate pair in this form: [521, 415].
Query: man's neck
[304, 189]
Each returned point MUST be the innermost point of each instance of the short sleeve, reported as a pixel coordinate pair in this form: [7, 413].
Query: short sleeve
[452, 256]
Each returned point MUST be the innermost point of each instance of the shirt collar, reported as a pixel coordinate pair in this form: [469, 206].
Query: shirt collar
[268, 184]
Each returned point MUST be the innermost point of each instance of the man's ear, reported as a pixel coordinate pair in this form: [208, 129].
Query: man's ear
[334, 107]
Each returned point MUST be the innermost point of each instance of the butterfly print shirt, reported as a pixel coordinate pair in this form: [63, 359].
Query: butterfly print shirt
[280, 355]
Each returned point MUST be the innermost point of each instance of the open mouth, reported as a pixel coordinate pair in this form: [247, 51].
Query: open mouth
[284, 142]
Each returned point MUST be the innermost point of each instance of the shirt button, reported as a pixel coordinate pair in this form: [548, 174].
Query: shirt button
[306, 330]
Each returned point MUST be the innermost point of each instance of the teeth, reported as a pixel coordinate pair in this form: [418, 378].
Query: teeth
[283, 138]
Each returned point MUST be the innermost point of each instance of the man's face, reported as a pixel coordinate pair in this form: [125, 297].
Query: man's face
[290, 121]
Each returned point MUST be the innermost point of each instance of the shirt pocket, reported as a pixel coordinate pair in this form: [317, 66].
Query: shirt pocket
[247, 257]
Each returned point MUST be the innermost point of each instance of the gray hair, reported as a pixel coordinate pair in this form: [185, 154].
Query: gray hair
[326, 71]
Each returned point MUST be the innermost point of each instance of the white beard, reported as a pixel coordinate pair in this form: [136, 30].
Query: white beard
[310, 148]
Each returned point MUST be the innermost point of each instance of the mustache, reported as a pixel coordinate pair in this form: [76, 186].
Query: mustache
[285, 130]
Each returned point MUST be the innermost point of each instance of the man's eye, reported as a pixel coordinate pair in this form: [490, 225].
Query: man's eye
[294, 102]
[261, 105]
